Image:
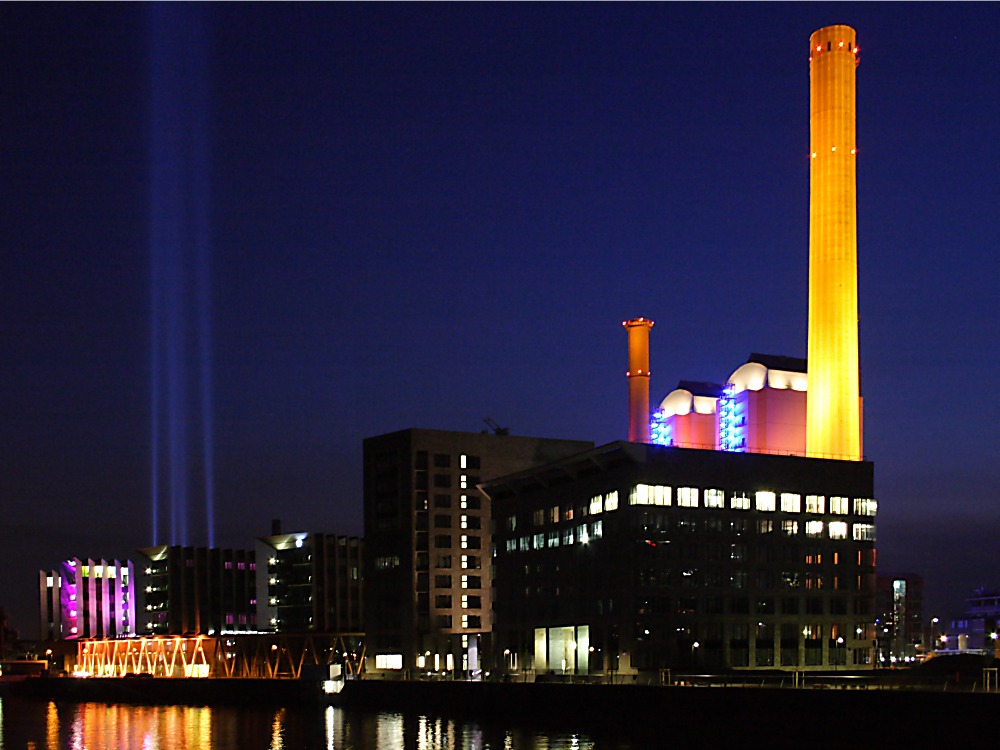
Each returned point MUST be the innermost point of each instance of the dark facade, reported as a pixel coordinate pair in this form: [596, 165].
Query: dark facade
[198, 590]
[313, 582]
[641, 557]
[428, 566]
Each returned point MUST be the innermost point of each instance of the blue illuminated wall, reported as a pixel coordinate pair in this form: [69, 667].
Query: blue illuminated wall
[732, 421]
[661, 428]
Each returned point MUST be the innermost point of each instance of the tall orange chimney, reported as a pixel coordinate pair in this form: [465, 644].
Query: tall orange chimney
[638, 379]
[833, 406]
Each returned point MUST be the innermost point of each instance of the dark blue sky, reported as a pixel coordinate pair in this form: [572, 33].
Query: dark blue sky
[423, 215]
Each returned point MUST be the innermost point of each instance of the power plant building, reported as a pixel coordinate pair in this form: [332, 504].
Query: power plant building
[739, 530]
[760, 409]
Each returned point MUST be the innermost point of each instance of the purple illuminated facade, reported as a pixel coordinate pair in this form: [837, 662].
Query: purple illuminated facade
[87, 599]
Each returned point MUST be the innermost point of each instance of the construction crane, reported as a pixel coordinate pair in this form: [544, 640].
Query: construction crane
[497, 429]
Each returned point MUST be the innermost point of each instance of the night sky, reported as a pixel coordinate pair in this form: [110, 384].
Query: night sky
[424, 215]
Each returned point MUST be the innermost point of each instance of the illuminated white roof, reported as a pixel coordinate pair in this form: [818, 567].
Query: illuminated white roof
[754, 376]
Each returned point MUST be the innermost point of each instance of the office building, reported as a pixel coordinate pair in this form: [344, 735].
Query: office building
[428, 565]
[87, 599]
[976, 629]
[198, 590]
[310, 582]
[633, 557]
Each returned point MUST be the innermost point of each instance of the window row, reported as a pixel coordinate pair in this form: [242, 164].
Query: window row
[465, 502]
[468, 582]
[581, 534]
[469, 601]
[468, 621]
[763, 500]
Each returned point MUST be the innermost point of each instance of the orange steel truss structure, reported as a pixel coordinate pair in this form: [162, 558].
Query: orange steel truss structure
[257, 656]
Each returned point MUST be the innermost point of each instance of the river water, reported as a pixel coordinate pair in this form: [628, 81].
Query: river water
[48, 725]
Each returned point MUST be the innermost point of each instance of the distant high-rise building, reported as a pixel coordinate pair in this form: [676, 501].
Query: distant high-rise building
[833, 403]
[310, 582]
[198, 590]
[87, 599]
[899, 617]
[428, 564]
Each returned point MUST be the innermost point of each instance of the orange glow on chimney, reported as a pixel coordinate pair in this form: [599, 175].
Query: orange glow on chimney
[833, 404]
[638, 379]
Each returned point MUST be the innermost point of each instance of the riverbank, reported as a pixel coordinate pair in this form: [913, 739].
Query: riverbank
[154, 691]
[802, 717]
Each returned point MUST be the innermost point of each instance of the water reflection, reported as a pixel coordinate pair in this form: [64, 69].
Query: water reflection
[39, 725]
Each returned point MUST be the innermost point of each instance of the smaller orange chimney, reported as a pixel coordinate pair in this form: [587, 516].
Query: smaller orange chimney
[638, 379]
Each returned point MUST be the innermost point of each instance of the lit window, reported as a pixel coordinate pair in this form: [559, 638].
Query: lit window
[554, 514]
[839, 506]
[465, 601]
[463, 461]
[464, 502]
[687, 497]
[511, 523]
[465, 579]
[815, 504]
[765, 501]
[838, 529]
[864, 507]
[596, 505]
[567, 536]
[524, 544]
[791, 503]
[864, 532]
[464, 522]
[538, 541]
[511, 545]
[646, 494]
[553, 539]
[814, 528]
[715, 499]
[463, 482]
[465, 623]
[739, 502]
[597, 529]
[791, 528]
[611, 500]
[388, 661]
[581, 534]
[465, 541]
